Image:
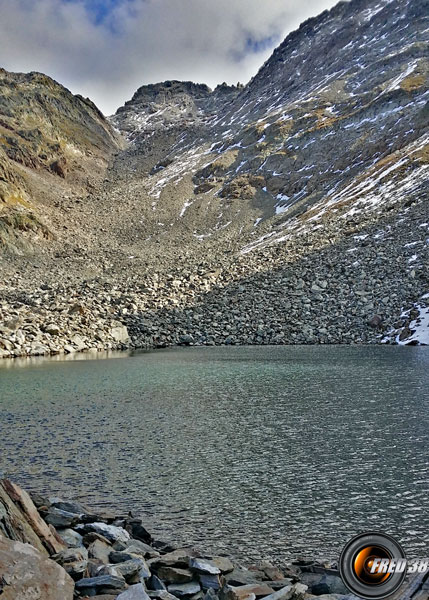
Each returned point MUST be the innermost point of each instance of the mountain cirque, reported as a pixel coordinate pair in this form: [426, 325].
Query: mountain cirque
[291, 210]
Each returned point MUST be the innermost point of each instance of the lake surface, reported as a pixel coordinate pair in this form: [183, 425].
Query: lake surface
[258, 452]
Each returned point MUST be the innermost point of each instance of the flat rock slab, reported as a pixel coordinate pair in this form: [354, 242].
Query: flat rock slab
[174, 575]
[134, 592]
[203, 566]
[105, 584]
[161, 595]
[259, 589]
[28, 574]
[223, 563]
[182, 590]
[177, 558]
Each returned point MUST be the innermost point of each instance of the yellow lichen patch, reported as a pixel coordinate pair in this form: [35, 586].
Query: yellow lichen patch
[4, 141]
[12, 198]
[423, 154]
[413, 82]
[259, 127]
[387, 160]
[361, 140]
[225, 160]
[281, 128]
[18, 199]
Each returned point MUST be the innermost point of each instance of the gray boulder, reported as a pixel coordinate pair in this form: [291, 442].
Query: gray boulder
[174, 575]
[100, 551]
[183, 590]
[26, 573]
[105, 584]
[73, 560]
[203, 566]
[134, 592]
[110, 532]
[72, 538]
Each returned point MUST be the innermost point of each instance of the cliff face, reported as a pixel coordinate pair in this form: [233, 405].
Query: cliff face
[291, 210]
[51, 143]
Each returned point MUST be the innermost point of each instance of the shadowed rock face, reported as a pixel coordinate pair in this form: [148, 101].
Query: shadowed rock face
[226, 207]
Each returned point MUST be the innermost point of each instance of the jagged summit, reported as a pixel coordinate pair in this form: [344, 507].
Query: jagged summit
[170, 104]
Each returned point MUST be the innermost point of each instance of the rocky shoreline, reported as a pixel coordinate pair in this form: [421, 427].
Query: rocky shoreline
[58, 549]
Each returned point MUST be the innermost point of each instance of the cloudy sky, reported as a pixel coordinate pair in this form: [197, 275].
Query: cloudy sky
[106, 49]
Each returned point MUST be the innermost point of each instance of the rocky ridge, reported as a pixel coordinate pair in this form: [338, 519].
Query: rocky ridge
[293, 210]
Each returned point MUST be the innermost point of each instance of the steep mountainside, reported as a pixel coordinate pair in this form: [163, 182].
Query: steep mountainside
[334, 122]
[51, 144]
[291, 210]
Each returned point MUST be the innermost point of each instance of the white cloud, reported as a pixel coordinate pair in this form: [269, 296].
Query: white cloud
[145, 41]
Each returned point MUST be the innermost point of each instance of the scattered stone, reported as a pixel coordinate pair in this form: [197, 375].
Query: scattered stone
[224, 564]
[210, 581]
[161, 595]
[239, 577]
[258, 589]
[229, 592]
[72, 538]
[60, 518]
[183, 590]
[110, 532]
[203, 566]
[120, 334]
[134, 570]
[91, 537]
[376, 321]
[174, 575]
[176, 558]
[104, 584]
[137, 531]
[278, 584]
[140, 548]
[73, 560]
[154, 583]
[134, 592]
[100, 551]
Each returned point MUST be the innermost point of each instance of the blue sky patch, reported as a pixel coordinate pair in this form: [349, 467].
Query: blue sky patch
[98, 9]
